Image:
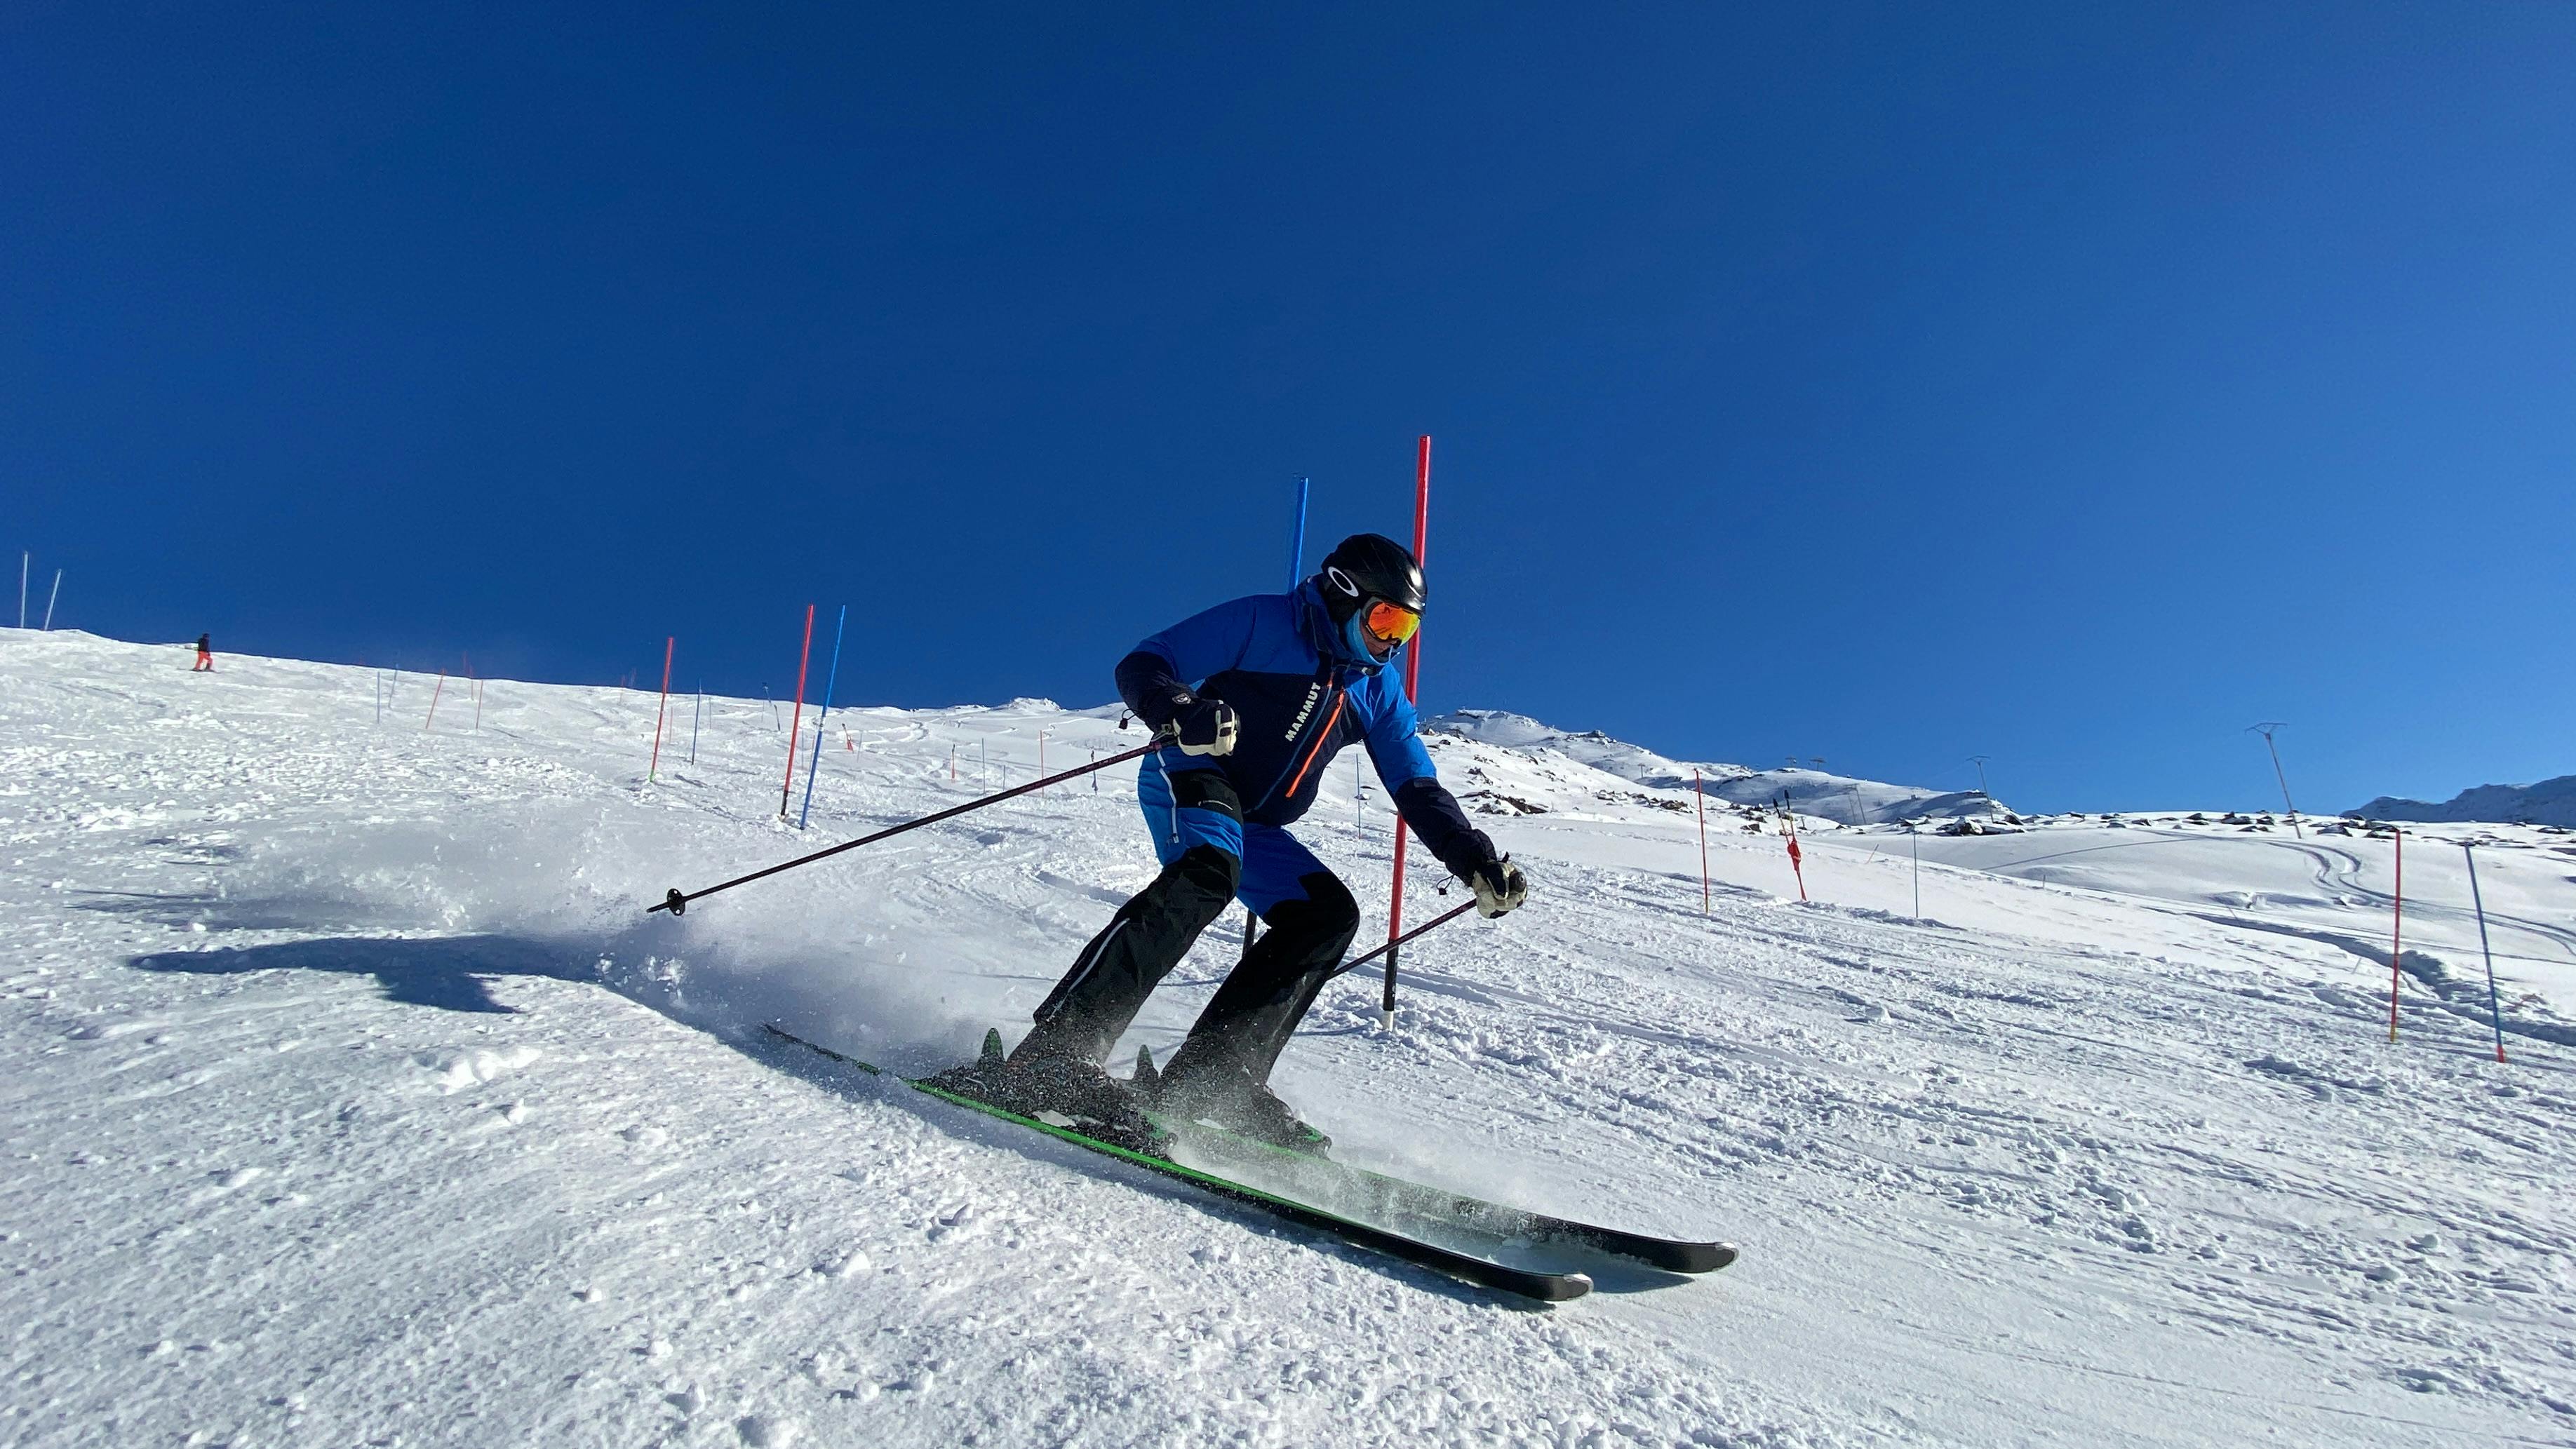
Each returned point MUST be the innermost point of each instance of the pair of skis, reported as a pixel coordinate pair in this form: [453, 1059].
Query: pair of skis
[1373, 1210]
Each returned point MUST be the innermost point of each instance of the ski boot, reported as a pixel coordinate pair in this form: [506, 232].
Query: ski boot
[1226, 1096]
[1066, 1092]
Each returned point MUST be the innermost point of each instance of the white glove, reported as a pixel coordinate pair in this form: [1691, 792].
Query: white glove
[1207, 727]
[1499, 886]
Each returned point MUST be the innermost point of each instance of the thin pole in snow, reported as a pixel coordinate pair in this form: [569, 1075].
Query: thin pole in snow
[1914, 838]
[2265, 730]
[804, 657]
[1789, 829]
[2495, 1010]
[1095, 780]
[49, 600]
[2396, 923]
[433, 702]
[1412, 679]
[1297, 538]
[24, 560]
[1699, 792]
[696, 720]
[1980, 762]
[380, 699]
[831, 678]
[662, 710]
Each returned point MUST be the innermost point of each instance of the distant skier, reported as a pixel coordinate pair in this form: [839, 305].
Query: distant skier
[1260, 694]
[205, 655]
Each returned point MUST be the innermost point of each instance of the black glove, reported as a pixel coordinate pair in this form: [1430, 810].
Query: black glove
[1205, 727]
[1499, 886]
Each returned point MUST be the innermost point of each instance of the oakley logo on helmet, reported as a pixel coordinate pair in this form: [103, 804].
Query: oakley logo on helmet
[1369, 566]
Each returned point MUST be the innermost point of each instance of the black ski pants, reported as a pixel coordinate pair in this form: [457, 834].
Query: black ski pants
[1205, 846]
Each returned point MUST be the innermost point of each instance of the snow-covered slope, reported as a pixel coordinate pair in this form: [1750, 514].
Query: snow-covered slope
[2551, 802]
[1836, 798]
[349, 1097]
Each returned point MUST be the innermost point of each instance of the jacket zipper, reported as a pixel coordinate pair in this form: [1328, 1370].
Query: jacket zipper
[1318, 748]
[1330, 681]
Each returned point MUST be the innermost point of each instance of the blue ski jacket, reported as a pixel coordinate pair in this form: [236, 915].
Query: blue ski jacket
[1299, 698]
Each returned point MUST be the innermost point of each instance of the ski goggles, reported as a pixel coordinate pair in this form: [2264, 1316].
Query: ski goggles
[1388, 623]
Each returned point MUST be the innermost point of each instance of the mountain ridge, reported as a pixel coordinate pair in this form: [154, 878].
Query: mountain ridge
[1843, 799]
[2547, 802]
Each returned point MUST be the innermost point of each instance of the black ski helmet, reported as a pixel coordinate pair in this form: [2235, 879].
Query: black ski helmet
[1368, 566]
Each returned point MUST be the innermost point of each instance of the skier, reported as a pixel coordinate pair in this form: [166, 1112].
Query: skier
[205, 655]
[1257, 696]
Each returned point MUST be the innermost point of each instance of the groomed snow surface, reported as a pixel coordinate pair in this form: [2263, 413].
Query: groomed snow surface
[350, 1098]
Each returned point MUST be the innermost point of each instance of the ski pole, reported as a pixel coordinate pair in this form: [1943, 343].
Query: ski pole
[1442, 919]
[677, 902]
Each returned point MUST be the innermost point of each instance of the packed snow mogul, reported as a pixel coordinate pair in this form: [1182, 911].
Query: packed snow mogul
[1257, 696]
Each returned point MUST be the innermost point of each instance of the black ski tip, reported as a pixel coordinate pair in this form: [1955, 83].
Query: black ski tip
[1147, 1079]
[991, 1055]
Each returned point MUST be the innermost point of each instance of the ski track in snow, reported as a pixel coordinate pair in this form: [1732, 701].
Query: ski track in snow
[351, 1099]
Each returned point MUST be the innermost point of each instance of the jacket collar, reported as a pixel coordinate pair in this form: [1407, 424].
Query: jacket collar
[1315, 622]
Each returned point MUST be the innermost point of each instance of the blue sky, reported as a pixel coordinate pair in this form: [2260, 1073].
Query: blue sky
[2073, 385]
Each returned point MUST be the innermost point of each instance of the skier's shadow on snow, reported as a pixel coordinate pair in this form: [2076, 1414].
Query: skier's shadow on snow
[453, 973]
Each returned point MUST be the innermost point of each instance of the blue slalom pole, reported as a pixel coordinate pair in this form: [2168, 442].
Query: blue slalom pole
[2495, 1012]
[831, 677]
[1297, 539]
[1296, 575]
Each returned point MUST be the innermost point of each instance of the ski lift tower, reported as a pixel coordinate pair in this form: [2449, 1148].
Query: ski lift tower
[2265, 729]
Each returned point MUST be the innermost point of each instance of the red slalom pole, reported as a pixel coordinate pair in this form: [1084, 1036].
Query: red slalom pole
[1700, 791]
[2396, 932]
[1789, 829]
[668, 640]
[798, 721]
[1412, 688]
[434, 693]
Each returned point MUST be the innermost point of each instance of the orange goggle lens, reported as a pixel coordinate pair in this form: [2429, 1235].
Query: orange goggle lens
[1389, 623]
